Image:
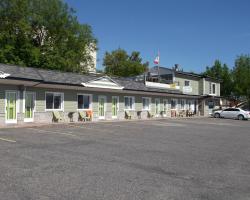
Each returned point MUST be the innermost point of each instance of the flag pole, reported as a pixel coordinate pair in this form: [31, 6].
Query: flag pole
[158, 67]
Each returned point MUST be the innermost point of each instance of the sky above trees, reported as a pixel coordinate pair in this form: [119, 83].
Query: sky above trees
[192, 33]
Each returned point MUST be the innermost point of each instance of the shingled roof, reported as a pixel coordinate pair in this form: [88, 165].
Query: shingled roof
[69, 78]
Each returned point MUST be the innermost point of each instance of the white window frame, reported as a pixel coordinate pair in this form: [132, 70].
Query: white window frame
[90, 101]
[62, 101]
[211, 88]
[133, 103]
[149, 103]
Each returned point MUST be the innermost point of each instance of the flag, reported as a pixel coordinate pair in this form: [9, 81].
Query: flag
[157, 60]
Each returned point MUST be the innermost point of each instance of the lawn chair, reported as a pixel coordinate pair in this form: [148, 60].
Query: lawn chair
[150, 115]
[89, 115]
[56, 116]
[127, 115]
[82, 116]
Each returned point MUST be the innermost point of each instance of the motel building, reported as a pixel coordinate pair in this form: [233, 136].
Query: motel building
[32, 95]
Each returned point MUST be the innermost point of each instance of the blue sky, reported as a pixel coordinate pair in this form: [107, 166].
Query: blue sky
[192, 33]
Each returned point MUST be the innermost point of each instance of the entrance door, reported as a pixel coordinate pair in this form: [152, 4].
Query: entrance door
[10, 104]
[101, 107]
[157, 107]
[114, 107]
[29, 107]
[165, 106]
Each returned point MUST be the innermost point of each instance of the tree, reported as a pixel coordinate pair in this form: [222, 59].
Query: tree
[119, 63]
[241, 77]
[44, 33]
[223, 73]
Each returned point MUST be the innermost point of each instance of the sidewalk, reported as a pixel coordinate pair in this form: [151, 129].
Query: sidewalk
[35, 124]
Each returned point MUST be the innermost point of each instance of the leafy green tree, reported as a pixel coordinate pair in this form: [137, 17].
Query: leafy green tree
[119, 63]
[44, 33]
[223, 73]
[241, 76]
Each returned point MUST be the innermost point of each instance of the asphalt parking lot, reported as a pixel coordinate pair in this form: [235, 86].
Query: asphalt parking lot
[162, 159]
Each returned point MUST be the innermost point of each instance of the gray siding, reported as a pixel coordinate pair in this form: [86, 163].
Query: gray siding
[194, 84]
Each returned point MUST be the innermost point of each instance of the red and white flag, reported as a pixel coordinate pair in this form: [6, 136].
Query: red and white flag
[157, 59]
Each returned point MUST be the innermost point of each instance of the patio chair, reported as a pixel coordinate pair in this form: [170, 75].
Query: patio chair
[89, 115]
[82, 116]
[127, 115]
[150, 115]
[182, 113]
[56, 116]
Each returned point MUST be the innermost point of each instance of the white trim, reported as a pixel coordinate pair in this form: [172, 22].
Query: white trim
[117, 97]
[133, 103]
[3, 75]
[99, 83]
[149, 106]
[204, 86]
[105, 106]
[90, 101]
[34, 109]
[62, 101]
[5, 107]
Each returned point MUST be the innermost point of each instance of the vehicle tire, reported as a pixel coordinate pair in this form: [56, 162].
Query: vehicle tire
[240, 117]
[217, 115]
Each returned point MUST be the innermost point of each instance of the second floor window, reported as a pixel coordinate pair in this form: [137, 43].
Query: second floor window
[187, 83]
[212, 88]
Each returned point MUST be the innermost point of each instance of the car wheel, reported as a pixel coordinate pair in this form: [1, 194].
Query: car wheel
[217, 115]
[240, 117]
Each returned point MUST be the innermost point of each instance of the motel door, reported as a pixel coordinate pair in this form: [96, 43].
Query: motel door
[114, 107]
[29, 106]
[157, 107]
[101, 107]
[11, 111]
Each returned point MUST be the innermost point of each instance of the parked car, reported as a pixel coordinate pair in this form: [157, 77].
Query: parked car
[234, 113]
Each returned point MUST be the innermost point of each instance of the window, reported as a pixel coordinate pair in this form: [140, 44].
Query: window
[173, 104]
[54, 101]
[145, 103]
[129, 103]
[210, 104]
[182, 104]
[212, 88]
[84, 101]
[187, 83]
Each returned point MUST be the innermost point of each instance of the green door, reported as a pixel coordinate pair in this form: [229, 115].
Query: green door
[101, 107]
[114, 106]
[11, 107]
[29, 106]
